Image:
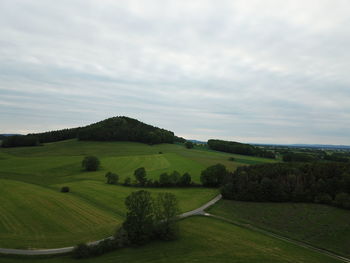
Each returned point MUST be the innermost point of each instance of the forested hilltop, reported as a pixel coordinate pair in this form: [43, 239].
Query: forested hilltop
[112, 129]
[239, 148]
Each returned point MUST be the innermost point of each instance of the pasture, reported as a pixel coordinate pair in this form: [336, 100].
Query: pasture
[35, 214]
[320, 225]
[204, 240]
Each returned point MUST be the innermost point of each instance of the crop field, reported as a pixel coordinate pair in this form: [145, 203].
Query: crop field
[320, 225]
[35, 214]
[204, 240]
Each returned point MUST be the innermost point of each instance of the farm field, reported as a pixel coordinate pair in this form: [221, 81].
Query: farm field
[204, 240]
[320, 225]
[35, 214]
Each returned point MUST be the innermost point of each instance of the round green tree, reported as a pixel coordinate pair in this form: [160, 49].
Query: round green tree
[91, 163]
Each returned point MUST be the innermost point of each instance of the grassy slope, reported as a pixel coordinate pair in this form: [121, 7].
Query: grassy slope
[33, 216]
[320, 225]
[31, 177]
[205, 240]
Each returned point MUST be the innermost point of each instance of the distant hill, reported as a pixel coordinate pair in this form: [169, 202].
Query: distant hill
[197, 142]
[113, 129]
[239, 148]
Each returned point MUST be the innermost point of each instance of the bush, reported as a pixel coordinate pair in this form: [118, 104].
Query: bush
[342, 200]
[323, 198]
[232, 159]
[189, 145]
[65, 189]
[81, 251]
[127, 181]
[91, 163]
[121, 237]
[112, 178]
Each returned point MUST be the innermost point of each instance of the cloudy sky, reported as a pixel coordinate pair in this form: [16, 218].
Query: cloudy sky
[267, 71]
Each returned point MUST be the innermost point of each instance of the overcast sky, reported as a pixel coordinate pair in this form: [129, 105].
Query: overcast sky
[266, 71]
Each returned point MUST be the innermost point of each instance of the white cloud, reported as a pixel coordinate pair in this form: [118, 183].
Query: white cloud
[263, 71]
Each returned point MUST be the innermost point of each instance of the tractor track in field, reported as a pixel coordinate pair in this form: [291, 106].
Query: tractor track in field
[196, 212]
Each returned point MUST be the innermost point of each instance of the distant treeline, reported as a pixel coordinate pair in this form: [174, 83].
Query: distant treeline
[315, 156]
[19, 140]
[112, 129]
[239, 148]
[320, 182]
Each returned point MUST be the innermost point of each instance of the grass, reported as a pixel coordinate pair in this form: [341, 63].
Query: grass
[204, 240]
[111, 197]
[33, 216]
[320, 225]
[43, 217]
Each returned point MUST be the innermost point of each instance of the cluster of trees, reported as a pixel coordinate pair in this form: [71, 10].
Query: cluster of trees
[239, 148]
[19, 140]
[165, 180]
[320, 182]
[147, 219]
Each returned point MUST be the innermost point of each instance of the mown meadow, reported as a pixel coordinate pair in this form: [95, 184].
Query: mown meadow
[35, 214]
[203, 240]
[320, 225]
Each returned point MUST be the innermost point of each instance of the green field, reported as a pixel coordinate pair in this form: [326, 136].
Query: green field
[35, 214]
[320, 225]
[205, 240]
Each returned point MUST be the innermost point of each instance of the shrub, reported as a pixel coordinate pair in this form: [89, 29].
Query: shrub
[91, 163]
[65, 189]
[342, 200]
[232, 159]
[112, 178]
[189, 145]
[323, 198]
[81, 251]
[127, 181]
[121, 238]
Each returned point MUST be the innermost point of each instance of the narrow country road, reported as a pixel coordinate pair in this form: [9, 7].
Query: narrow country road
[199, 211]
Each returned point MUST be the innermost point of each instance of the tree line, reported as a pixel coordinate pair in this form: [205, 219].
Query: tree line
[319, 182]
[239, 148]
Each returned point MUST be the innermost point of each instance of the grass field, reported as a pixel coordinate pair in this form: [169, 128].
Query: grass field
[320, 225]
[204, 240]
[35, 214]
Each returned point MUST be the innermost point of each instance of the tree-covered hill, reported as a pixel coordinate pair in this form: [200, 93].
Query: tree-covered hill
[113, 129]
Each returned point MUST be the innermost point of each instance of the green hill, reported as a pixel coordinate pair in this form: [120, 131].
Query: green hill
[113, 129]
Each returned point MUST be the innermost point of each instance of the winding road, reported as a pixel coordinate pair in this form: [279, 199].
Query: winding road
[200, 212]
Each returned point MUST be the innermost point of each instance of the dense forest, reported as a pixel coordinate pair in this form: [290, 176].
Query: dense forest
[19, 140]
[313, 156]
[320, 182]
[112, 129]
[239, 148]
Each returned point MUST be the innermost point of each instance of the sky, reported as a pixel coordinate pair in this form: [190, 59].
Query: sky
[267, 71]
